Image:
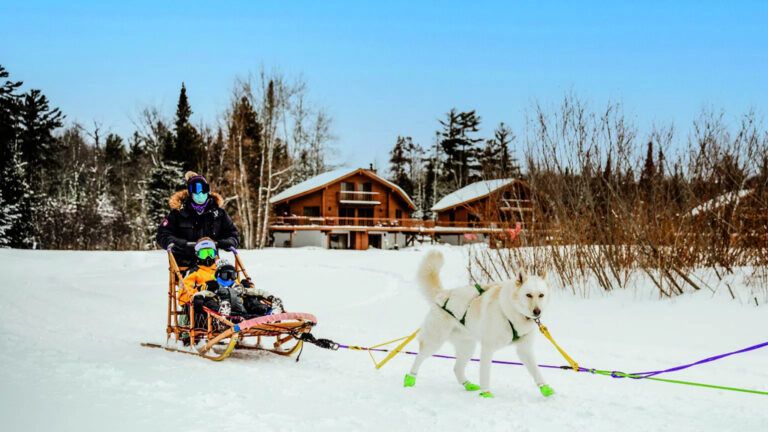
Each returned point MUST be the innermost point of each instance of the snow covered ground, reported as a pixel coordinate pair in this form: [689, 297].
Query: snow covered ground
[71, 324]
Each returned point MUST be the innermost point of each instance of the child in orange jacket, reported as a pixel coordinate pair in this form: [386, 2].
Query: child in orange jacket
[203, 272]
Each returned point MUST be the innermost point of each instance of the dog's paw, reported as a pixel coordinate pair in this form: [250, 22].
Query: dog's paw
[546, 390]
[470, 386]
[409, 381]
[486, 395]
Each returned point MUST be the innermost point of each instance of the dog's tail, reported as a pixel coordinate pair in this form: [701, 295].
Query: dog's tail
[429, 275]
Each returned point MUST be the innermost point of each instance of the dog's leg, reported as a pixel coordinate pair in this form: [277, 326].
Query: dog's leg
[432, 336]
[525, 353]
[464, 350]
[486, 357]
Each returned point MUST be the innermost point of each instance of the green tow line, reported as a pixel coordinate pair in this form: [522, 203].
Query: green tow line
[690, 383]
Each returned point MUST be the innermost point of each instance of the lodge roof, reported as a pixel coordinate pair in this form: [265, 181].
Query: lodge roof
[471, 192]
[322, 180]
[721, 200]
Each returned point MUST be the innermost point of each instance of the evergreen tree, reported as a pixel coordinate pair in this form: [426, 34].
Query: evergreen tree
[648, 174]
[460, 148]
[496, 159]
[165, 177]
[38, 146]
[16, 206]
[186, 148]
[399, 164]
[12, 177]
[9, 116]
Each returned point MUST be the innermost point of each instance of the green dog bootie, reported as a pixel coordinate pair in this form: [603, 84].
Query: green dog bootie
[546, 390]
[409, 381]
[486, 395]
[470, 386]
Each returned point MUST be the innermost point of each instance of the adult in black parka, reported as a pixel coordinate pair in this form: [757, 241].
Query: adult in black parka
[195, 212]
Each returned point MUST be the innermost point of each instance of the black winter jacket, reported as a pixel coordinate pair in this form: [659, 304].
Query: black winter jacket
[183, 225]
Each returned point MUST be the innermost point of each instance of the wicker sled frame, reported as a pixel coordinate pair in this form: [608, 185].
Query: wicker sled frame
[278, 333]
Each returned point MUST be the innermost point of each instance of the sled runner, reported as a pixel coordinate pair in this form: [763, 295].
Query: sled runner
[215, 336]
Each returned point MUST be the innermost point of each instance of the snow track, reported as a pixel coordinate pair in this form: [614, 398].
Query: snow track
[71, 324]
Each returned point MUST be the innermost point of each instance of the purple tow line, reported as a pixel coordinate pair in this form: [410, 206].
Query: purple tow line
[706, 360]
[615, 374]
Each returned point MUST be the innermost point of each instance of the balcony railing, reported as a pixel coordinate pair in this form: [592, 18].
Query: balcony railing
[387, 222]
[359, 197]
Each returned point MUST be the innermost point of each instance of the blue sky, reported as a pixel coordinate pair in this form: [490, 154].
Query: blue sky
[393, 67]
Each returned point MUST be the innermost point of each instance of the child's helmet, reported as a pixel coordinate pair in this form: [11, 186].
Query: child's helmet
[226, 274]
[205, 251]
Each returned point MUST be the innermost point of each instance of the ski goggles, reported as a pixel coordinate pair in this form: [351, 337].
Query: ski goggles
[227, 275]
[206, 253]
[198, 185]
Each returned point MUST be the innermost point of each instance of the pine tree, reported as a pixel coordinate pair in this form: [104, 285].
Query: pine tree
[16, 206]
[496, 160]
[165, 177]
[9, 116]
[244, 135]
[186, 148]
[648, 174]
[12, 188]
[399, 164]
[460, 148]
[39, 149]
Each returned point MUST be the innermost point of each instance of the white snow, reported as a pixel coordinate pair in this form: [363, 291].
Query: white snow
[470, 192]
[719, 201]
[71, 324]
[325, 178]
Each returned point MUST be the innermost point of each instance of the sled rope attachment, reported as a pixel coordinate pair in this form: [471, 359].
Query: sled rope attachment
[543, 329]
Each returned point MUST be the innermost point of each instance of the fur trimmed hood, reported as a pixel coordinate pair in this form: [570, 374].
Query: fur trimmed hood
[176, 201]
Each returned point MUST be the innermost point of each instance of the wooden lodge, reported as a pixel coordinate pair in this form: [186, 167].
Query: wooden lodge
[357, 209]
[504, 204]
[341, 209]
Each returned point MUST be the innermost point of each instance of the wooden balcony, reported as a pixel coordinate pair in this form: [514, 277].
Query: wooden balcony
[501, 233]
[293, 223]
[358, 197]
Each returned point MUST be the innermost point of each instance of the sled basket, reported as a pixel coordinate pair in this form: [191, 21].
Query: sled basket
[214, 336]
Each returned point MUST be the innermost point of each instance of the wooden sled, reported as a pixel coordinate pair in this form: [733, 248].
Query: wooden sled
[280, 333]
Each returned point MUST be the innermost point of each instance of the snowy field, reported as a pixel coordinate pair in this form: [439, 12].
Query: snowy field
[71, 324]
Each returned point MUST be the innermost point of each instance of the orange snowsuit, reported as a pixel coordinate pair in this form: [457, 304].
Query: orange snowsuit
[192, 281]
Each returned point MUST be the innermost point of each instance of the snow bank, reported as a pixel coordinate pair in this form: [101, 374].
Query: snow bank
[71, 324]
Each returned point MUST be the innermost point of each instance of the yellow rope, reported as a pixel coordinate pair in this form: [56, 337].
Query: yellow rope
[406, 340]
[543, 329]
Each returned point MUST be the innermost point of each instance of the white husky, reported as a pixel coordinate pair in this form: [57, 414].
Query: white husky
[496, 315]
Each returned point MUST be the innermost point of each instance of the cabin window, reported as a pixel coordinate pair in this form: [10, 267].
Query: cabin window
[366, 187]
[346, 212]
[398, 214]
[365, 212]
[347, 186]
[312, 211]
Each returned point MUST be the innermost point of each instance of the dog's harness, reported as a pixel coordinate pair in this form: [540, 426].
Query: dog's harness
[463, 319]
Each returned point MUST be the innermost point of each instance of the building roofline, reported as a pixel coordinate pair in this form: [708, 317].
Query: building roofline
[338, 178]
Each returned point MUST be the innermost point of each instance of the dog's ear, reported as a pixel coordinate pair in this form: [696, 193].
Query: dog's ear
[521, 277]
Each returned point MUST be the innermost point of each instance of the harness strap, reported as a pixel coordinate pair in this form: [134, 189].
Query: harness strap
[445, 308]
[463, 320]
[479, 289]
[515, 336]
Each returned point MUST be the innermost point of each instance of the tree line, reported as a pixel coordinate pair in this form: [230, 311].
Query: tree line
[457, 157]
[77, 187]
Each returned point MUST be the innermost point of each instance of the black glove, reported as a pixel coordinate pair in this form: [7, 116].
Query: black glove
[246, 283]
[225, 244]
[180, 247]
[212, 286]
